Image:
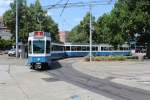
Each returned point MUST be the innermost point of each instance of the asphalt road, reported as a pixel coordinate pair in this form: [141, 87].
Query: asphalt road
[65, 72]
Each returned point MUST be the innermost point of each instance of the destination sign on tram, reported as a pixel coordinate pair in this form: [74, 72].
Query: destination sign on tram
[39, 34]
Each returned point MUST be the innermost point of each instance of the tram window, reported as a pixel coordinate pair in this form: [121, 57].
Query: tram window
[83, 48]
[94, 48]
[47, 46]
[88, 48]
[120, 48]
[38, 46]
[104, 48]
[52, 48]
[67, 48]
[78, 48]
[57, 48]
[30, 47]
[111, 48]
[61, 48]
[73, 48]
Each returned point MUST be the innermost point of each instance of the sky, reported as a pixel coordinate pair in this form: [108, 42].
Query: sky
[70, 16]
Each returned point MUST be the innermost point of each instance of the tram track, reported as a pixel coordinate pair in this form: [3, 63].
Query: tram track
[65, 72]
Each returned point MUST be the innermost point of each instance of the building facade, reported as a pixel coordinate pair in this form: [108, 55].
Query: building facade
[63, 36]
[4, 32]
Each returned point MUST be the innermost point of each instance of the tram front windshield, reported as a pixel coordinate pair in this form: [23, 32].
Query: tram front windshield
[38, 46]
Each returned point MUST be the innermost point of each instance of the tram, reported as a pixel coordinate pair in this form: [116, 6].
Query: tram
[78, 50]
[39, 45]
[41, 51]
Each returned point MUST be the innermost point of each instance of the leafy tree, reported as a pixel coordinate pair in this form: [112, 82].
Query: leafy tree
[32, 18]
[5, 44]
[138, 16]
[127, 18]
[103, 31]
[81, 32]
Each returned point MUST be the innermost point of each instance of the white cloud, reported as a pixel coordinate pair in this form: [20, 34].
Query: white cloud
[4, 5]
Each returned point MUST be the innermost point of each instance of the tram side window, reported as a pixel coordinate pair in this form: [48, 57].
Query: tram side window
[30, 47]
[73, 48]
[88, 48]
[47, 46]
[52, 48]
[67, 48]
[105, 48]
[78, 48]
[94, 48]
[57, 48]
[83, 48]
[62, 48]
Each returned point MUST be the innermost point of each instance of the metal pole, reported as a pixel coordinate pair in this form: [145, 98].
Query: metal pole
[90, 8]
[16, 28]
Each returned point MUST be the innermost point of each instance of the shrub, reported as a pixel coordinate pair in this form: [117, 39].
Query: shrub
[107, 58]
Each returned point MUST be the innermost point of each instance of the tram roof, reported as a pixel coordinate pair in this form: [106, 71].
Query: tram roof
[85, 44]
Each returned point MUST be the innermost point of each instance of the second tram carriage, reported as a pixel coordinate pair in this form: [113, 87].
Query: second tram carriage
[41, 51]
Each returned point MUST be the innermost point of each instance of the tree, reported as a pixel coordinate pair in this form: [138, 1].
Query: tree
[80, 33]
[32, 18]
[5, 44]
[127, 18]
[103, 31]
[138, 18]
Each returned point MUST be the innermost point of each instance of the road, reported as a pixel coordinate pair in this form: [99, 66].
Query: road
[65, 72]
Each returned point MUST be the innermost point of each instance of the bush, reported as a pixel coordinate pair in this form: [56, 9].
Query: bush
[107, 58]
[5, 44]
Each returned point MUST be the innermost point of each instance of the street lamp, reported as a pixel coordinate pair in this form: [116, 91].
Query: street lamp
[16, 28]
[90, 10]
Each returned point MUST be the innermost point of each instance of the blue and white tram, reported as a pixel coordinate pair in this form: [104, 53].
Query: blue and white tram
[81, 50]
[39, 45]
[41, 51]
[57, 51]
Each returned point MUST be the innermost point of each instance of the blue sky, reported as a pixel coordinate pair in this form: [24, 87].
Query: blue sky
[70, 16]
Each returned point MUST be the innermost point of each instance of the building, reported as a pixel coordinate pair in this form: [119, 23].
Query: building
[4, 32]
[63, 36]
[5, 35]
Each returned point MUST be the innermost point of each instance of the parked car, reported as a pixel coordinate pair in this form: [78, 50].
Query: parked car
[6, 52]
[12, 52]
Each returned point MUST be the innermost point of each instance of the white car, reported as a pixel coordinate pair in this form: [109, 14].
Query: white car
[12, 52]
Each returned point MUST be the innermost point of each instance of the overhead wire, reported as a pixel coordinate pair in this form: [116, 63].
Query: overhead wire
[74, 4]
[64, 7]
[77, 4]
[55, 4]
